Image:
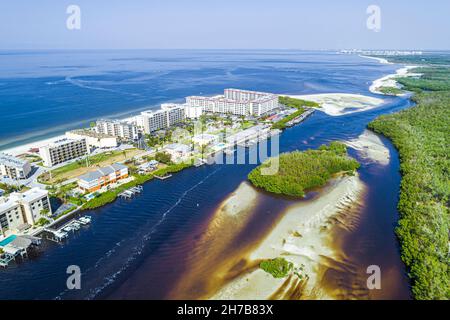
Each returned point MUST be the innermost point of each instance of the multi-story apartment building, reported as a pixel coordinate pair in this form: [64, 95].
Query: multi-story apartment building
[93, 138]
[117, 128]
[95, 180]
[234, 101]
[13, 167]
[23, 208]
[168, 115]
[63, 150]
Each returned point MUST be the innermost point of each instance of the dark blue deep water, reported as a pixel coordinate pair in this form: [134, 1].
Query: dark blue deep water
[138, 248]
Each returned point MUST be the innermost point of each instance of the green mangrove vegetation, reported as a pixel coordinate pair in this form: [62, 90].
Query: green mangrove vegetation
[302, 171]
[392, 91]
[297, 103]
[421, 135]
[278, 267]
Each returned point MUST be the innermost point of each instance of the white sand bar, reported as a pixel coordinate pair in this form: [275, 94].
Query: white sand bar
[299, 238]
[338, 104]
[370, 147]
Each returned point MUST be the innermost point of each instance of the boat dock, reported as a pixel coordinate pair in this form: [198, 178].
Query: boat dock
[167, 176]
[62, 233]
[16, 246]
[128, 194]
[300, 118]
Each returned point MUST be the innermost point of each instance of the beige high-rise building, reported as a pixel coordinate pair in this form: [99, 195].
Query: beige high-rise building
[63, 150]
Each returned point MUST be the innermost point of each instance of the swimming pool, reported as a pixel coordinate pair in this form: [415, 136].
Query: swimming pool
[4, 242]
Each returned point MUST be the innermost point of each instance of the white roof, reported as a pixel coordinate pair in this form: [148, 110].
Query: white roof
[11, 161]
[8, 205]
[30, 195]
[205, 136]
[179, 147]
[61, 142]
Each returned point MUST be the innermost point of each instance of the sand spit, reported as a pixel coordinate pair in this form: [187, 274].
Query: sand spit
[301, 237]
[338, 104]
[370, 147]
[380, 60]
[390, 81]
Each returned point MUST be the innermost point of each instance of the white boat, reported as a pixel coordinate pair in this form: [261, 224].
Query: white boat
[82, 221]
[68, 228]
[75, 226]
[87, 219]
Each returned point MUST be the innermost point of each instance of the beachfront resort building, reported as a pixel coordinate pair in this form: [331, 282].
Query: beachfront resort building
[93, 138]
[117, 128]
[13, 167]
[95, 180]
[167, 116]
[63, 150]
[21, 209]
[233, 101]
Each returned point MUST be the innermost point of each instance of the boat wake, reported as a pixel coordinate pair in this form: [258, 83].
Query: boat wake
[136, 251]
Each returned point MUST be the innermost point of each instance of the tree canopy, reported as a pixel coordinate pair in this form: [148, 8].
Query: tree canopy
[302, 171]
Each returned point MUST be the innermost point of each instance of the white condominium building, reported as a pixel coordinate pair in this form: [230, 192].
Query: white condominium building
[23, 208]
[93, 138]
[234, 101]
[168, 115]
[63, 150]
[13, 167]
[117, 128]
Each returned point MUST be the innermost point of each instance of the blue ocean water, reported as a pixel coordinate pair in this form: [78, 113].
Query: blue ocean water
[44, 93]
[140, 248]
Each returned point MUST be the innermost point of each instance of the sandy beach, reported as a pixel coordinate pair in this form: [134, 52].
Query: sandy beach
[380, 60]
[40, 143]
[338, 104]
[390, 80]
[300, 237]
[370, 147]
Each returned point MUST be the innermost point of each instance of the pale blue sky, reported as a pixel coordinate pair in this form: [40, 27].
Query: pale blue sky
[249, 24]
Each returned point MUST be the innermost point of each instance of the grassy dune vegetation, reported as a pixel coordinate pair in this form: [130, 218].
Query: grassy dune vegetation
[301, 171]
[421, 135]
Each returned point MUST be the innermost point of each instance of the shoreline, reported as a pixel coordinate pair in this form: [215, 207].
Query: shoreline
[334, 104]
[339, 104]
[23, 148]
[327, 108]
[389, 80]
[380, 60]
